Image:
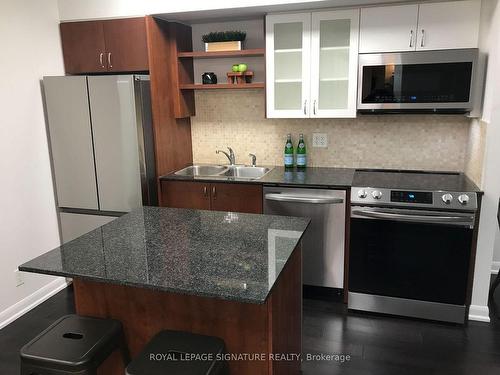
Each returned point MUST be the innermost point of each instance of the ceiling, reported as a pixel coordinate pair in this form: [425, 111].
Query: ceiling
[240, 13]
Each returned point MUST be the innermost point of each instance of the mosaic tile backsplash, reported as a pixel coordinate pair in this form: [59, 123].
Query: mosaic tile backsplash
[236, 118]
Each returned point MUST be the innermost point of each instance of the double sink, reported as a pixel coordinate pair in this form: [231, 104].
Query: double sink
[230, 172]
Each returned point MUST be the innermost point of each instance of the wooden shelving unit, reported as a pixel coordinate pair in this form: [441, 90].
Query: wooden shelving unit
[199, 86]
[207, 55]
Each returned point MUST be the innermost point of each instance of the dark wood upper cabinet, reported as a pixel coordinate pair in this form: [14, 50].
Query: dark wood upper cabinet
[126, 48]
[105, 46]
[83, 47]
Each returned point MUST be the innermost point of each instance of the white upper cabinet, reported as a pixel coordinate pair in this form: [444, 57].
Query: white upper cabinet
[448, 25]
[311, 64]
[334, 59]
[288, 41]
[429, 26]
[388, 29]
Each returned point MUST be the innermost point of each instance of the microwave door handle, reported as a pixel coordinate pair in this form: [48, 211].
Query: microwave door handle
[438, 219]
[302, 199]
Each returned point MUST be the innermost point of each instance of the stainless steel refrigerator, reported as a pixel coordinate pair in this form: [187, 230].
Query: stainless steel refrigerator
[101, 142]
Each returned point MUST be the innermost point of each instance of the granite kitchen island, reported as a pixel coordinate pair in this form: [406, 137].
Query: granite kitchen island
[231, 275]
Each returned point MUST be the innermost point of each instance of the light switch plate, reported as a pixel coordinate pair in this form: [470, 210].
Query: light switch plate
[19, 278]
[320, 140]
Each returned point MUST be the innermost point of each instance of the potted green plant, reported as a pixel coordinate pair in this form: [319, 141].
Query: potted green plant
[224, 41]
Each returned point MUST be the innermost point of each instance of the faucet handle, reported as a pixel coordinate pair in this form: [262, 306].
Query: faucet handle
[254, 159]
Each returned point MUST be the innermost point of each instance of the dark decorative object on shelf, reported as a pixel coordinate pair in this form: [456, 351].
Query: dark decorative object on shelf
[209, 78]
[224, 36]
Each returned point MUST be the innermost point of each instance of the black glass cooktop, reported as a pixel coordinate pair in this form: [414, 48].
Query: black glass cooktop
[414, 180]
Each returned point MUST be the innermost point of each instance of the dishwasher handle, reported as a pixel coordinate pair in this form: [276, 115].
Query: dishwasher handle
[302, 199]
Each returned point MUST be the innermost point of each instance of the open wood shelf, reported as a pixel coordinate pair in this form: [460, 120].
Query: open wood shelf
[199, 86]
[205, 55]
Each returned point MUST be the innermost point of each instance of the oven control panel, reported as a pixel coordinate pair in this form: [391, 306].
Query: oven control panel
[402, 196]
[414, 198]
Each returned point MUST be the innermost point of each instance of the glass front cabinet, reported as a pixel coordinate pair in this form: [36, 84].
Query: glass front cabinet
[311, 64]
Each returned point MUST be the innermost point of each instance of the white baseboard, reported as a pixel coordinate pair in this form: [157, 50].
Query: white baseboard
[479, 313]
[33, 300]
[495, 267]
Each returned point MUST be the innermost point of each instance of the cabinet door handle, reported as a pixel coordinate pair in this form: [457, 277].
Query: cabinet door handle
[205, 191]
[305, 107]
[109, 60]
[214, 192]
[101, 55]
[411, 38]
[422, 41]
[314, 107]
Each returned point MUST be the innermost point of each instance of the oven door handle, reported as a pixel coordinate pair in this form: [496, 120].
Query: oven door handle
[432, 219]
[302, 199]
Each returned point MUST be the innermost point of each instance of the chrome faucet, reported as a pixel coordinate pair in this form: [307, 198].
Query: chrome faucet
[230, 156]
[254, 159]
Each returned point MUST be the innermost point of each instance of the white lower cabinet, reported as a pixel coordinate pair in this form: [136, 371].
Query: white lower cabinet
[311, 61]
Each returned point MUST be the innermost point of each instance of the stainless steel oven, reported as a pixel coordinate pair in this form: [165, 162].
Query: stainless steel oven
[410, 252]
[417, 81]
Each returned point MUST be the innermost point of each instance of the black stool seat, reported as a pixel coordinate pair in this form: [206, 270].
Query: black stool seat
[180, 353]
[73, 345]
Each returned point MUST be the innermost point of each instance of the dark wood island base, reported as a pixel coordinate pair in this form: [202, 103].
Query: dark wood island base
[272, 327]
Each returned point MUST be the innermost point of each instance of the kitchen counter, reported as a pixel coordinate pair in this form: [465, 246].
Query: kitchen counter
[345, 178]
[204, 253]
[334, 178]
[229, 275]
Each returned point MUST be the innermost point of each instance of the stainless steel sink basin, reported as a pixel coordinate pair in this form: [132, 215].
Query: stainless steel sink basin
[202, 170]
[242, 172]
[246, 172]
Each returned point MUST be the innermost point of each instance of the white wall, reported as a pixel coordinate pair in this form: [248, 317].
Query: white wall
[30, 48]
[488, 228]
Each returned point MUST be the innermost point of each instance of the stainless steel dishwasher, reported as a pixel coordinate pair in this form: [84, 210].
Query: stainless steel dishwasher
[323, 242]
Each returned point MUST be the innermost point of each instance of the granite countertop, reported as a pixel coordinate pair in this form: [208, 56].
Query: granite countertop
[223, 255]
[335, 178]
[345, 178]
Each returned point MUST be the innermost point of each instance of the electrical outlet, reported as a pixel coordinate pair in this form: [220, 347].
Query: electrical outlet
[320, 140]
[19, 278]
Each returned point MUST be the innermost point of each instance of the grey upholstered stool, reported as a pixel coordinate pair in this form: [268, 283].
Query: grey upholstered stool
[73, 345]
[181, 353]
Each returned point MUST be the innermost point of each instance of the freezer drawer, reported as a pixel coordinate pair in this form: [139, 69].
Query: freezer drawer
[70, 135]
[75, 225]
[323, 242]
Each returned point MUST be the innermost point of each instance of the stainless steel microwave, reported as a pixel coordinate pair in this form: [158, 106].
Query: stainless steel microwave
[432, 81]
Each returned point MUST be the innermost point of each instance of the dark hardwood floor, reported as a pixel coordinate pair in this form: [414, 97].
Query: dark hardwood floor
[376, 344]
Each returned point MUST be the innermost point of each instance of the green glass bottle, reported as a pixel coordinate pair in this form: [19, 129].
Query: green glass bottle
[301, 152]
[289, 152]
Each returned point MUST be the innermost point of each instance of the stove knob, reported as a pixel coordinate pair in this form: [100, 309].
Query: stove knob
[362, 194]
[447, 198]
[463, 199]
[377, 194]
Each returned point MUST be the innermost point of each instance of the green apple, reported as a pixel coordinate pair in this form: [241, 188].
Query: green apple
[242, 68]
[235, 68]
